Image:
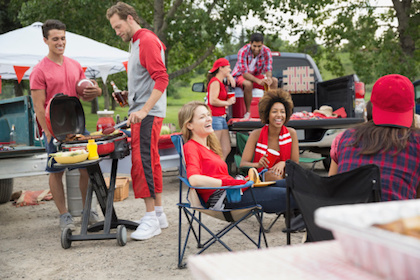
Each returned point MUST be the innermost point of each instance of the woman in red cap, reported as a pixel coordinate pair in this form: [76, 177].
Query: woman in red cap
[217, 99]
[390, 140]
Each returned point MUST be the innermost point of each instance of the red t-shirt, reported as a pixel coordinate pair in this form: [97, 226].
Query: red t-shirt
[55, 78]
[203, 161]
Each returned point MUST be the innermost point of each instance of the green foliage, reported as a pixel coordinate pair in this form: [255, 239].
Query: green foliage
[376, 45]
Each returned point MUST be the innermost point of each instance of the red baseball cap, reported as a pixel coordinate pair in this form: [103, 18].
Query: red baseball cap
[219, 63]
[393, 101]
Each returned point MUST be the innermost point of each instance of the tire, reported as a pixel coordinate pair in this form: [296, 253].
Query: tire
[6, 189]
[121, 235]
[326, 162]
[65, 238]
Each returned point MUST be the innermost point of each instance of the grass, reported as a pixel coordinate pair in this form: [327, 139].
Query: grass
[173, 107]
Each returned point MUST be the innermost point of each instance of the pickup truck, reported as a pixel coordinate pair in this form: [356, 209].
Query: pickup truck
[314, 135]
[25, 158]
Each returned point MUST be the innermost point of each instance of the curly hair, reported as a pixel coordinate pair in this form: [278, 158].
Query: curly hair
[271, 97]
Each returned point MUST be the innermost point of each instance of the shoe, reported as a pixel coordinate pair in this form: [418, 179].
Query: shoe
[297, 224]
[66, 220]
[163, 221]
[247, 116]
[94, 217]
[148, 228]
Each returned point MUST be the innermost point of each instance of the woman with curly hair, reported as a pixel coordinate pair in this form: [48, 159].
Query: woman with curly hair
[275, 109]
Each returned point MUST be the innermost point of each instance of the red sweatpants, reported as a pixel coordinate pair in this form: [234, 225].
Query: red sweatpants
[146, 171]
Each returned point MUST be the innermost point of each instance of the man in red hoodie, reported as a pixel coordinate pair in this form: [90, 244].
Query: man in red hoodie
[147, 82]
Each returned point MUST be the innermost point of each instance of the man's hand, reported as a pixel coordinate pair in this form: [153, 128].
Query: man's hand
[136, 117]
[90, 92]
[231, 81]
[124, 93]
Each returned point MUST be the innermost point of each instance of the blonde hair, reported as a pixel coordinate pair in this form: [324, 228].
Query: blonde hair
[186, 115]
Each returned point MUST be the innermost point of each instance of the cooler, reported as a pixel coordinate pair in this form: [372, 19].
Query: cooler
[238, 109]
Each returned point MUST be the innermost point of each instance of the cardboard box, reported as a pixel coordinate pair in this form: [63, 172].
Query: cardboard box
[121, 187]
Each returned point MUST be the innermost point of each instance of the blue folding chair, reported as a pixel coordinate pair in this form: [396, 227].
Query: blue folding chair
[193, 207]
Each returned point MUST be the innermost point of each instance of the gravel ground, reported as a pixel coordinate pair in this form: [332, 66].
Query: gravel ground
[30, 246]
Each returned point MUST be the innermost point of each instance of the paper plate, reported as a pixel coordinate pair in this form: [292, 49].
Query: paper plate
[264, 184]
[71, 159]
[253, 175]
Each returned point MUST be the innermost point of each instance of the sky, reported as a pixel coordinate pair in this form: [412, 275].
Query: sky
[252, 22]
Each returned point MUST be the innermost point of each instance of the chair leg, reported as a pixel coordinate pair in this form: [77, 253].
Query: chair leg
[272, 223]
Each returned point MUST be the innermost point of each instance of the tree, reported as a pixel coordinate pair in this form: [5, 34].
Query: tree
[381, 39]
[190, 29]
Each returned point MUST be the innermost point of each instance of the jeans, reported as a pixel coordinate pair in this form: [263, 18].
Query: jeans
[271, 198]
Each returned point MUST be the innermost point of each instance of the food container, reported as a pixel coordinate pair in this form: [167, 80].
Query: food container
[383, 253]
[105, 120]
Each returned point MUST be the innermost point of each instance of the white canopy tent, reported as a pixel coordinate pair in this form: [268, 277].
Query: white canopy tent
[22, 49]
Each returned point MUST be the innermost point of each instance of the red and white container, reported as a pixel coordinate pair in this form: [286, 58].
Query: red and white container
[386, 254]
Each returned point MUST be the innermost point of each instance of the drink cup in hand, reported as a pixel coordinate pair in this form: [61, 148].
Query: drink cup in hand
[230, 95]
[272, 156]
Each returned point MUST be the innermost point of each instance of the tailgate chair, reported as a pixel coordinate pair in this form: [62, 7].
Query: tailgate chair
[193, 207]
[311, 191]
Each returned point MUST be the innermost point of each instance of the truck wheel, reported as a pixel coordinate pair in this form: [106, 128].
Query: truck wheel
[6, 189]
[326, 162]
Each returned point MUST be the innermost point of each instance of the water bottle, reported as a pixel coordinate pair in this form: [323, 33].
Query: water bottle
[12, 138]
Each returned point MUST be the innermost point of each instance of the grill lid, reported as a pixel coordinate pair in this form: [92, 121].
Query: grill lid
[64, 115]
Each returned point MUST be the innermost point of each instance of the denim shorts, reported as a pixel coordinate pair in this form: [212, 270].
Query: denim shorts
[219, 123]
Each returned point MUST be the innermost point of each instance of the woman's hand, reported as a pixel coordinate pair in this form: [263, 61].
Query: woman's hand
[263, 162]
[278, 169]
[231, 100]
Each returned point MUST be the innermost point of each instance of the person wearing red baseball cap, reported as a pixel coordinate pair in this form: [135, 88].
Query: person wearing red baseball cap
[390, 140]
[218, 100]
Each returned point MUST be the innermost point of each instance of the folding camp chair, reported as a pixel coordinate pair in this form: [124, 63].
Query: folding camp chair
[193, 207]
[311, 191]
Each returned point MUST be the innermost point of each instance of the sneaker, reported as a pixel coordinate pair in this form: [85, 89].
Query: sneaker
[163, 221]
[247, 116]
[66, 220]
[94, 217]
[297, 224]
[148, 228]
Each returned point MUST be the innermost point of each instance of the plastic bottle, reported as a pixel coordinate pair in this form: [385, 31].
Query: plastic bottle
[92, 148]
[12, 139]
[121, 98]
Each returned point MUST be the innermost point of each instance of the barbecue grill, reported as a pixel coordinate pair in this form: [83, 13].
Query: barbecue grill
[66, 121]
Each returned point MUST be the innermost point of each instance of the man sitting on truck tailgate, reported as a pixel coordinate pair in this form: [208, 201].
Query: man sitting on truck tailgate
[54, 74]
[254, 69]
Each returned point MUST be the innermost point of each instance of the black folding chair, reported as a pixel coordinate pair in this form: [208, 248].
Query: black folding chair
[192, 206]
[311, 191]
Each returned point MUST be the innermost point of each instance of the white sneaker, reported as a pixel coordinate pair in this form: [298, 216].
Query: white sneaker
[163, 221]
[247, 116]
[148, 228]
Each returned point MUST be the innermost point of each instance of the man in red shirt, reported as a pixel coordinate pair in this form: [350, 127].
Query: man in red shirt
[54, 74]
[147, 82]
[254, 69]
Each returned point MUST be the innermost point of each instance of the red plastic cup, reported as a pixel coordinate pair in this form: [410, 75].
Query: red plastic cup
[272, 156]
[230, 95]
